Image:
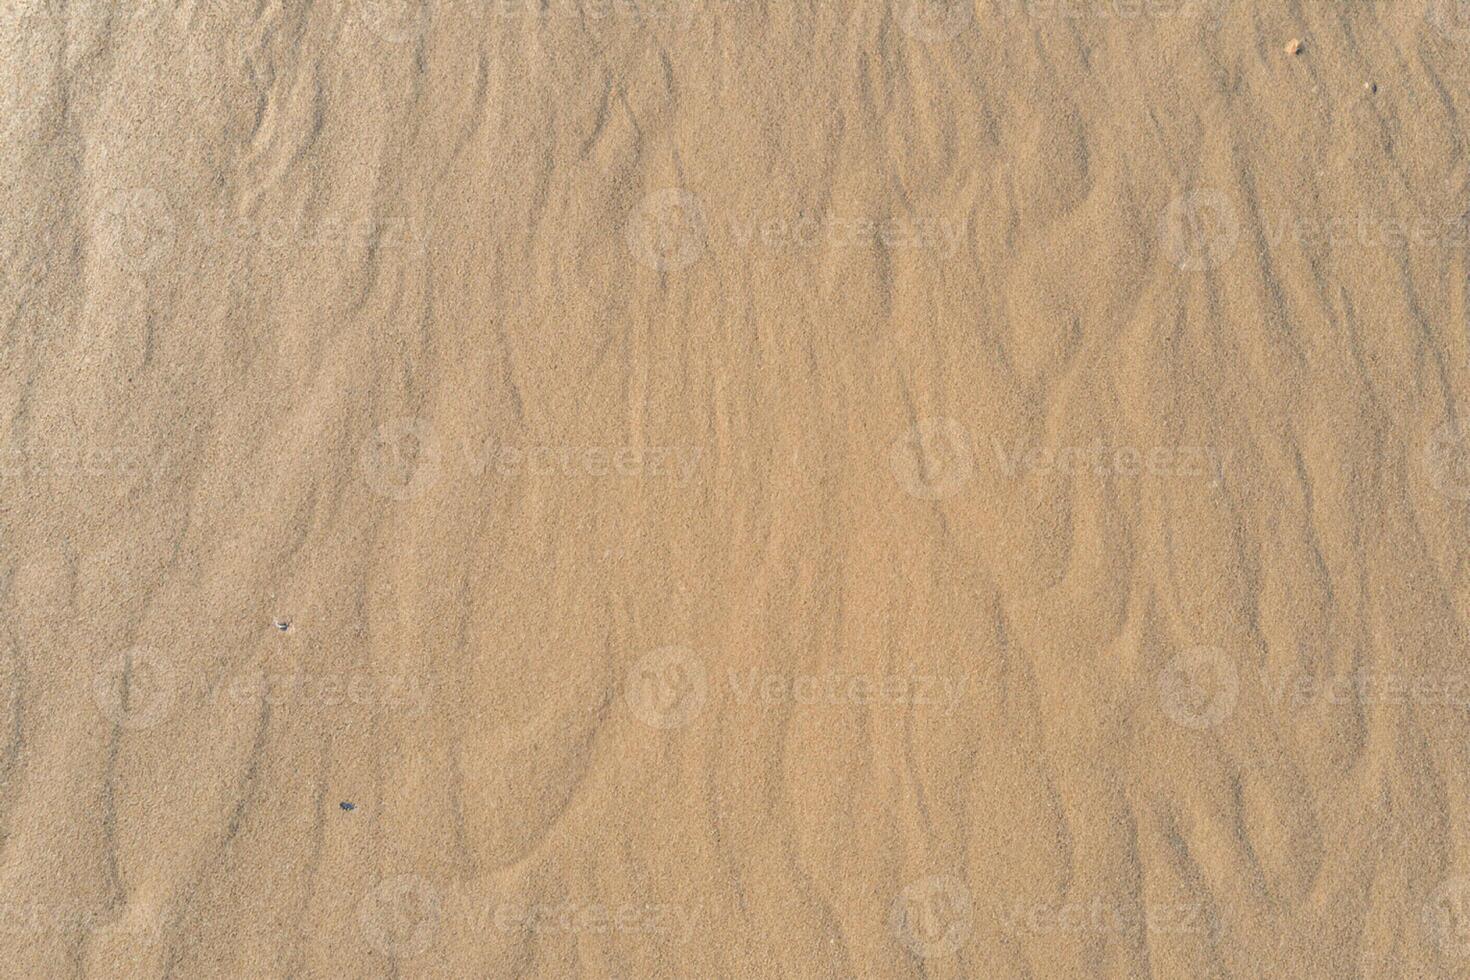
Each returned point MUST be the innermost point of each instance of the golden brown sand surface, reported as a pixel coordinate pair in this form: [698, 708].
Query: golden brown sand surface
[714, 488]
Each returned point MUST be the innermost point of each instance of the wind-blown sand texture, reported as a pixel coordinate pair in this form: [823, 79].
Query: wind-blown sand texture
[734, 489]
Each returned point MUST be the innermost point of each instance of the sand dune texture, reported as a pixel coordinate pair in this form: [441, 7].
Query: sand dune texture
[710, 488]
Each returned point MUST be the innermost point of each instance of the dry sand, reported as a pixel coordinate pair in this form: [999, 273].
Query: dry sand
[703, 488]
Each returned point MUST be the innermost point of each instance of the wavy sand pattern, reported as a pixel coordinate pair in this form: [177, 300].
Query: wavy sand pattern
[697, 488]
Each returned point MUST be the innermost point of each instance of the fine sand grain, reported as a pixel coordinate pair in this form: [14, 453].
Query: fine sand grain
[726, 489]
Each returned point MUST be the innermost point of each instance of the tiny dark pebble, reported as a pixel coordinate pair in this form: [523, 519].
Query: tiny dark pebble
[347, 806]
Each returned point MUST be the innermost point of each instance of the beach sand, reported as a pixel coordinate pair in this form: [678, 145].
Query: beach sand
[696, 488]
